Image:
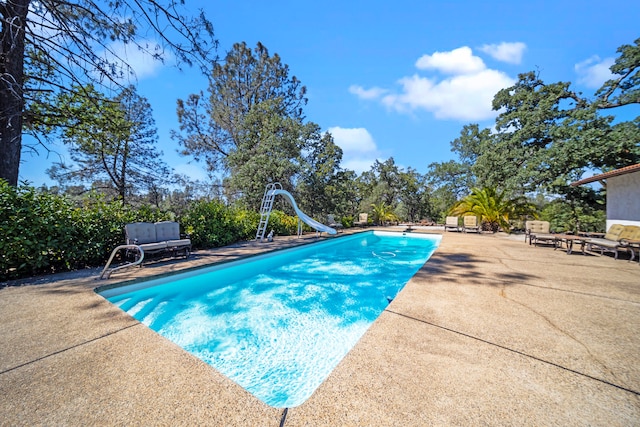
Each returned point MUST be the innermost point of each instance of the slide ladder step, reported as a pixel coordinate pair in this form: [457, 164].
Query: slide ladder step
[265, 209]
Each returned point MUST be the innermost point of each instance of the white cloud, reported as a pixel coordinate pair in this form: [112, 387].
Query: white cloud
[141, 61]
[466, 97]
[457, 61]
[362, 93]
[353, 140]
[506, 52]
[358, 147]
[359, 165]
[593, 72]
[465, 94]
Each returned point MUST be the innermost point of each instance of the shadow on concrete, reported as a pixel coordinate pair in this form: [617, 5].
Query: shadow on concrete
[469, 269]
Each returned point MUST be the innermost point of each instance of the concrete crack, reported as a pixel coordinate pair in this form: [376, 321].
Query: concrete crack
[503, 294]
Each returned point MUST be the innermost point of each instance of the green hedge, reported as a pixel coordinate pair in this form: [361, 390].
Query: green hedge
[282, 224]
[211, 224]
[46, 233]
[38, 232]
[43, 233]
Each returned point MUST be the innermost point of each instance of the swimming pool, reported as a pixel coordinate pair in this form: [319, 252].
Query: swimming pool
[277, 324]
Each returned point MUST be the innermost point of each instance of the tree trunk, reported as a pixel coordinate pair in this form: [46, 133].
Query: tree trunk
[13, 17]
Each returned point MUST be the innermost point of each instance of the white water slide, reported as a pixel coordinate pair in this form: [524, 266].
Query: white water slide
[304, 217]
[270, 193]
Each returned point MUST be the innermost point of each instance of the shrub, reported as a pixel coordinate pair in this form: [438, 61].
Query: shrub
[212, 224]
[46, 233]
[39, 232]
[246, 222]
[347, 221]
[563, 217]
[282, 224]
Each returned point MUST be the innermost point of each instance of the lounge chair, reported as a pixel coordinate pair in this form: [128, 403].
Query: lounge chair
[615, 239]
[333, 223]
[538, 232]
[451, 224]
[363, 220]
[471, 224]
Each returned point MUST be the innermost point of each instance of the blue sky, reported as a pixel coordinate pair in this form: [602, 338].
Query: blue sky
[396, 78]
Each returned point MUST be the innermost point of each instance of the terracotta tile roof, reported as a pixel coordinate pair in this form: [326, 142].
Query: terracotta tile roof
[602, 176]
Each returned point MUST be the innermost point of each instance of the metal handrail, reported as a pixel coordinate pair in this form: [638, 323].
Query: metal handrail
[113, 254]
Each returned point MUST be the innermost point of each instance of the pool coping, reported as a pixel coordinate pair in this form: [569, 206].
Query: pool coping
[489, 331]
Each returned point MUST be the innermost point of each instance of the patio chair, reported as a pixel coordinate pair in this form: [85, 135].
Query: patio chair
[363, 220]
[169, 232]
[471, 224]
[538, 232]
[143, 234]
[615, 239]
[333, 223]
[451, 224]
[146, 238]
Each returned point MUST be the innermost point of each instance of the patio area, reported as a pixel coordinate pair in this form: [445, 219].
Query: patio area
[490, 331]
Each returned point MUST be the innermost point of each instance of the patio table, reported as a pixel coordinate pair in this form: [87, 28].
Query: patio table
[569, 240]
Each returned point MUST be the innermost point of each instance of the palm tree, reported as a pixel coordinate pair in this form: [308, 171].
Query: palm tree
[495, 209]
[383, 212]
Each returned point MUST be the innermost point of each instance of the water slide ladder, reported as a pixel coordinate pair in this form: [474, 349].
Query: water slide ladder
[265, 208]
[270, 193]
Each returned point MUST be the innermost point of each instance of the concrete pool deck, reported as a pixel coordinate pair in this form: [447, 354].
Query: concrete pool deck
[491, 331]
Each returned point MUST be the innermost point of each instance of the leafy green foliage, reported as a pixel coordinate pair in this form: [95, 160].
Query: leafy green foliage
[282, 224]
[210, 126]
[405, 192]
[494, 208]
[320, 174]
[625, 88]
[547, 137]
[451, 177]
[381, 213]
[37, 230]
[268, 150]
[44, 233]
[563, 217]
[212, 224]
[341, 194]
[549, 134]
[347, 221]
[48, 46]
[250, 128]
[113, 140]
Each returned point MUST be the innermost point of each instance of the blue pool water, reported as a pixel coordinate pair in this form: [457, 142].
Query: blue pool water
[278, 324]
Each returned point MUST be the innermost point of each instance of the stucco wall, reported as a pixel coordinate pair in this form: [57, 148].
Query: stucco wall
[623, 199]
